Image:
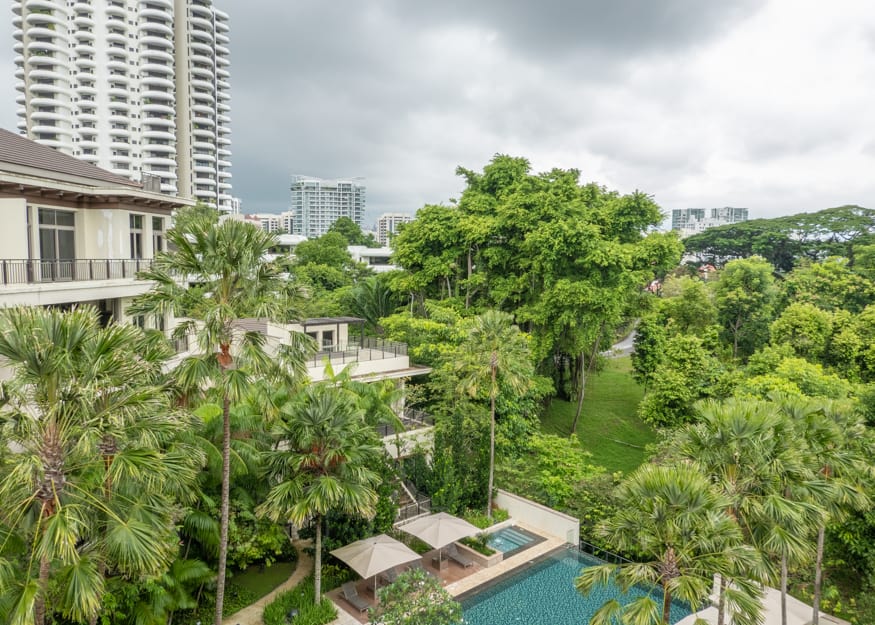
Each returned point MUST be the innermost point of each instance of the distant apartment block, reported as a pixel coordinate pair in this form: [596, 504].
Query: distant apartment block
[387, 225]
[318, 203]
[689, 221]
[135, 87]
[271, 222]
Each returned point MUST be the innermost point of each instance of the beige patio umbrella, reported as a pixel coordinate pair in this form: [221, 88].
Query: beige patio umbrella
[371, 556]
[439, 530]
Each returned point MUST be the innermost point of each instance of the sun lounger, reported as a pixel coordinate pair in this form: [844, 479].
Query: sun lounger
[389, 576]
[351, 595]
[458, 557]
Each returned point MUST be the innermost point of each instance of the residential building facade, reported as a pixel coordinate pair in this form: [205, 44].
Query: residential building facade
[387, 225]
[318, 203]
[73, 233]
[689, 221]
[135, 87]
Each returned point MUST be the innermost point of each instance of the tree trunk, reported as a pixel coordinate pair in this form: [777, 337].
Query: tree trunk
[317, 564]
[818, 576]
[581, 365]
[39, 608]
[784, 589]
[666, 605]
[494, 391]
[226, 489]
[721, 601]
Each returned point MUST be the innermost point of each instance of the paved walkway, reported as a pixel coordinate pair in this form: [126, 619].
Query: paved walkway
[251, 614]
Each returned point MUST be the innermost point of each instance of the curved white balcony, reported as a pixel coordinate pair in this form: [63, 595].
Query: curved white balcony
[118, 92]
[82, 7]
[155, 27]
[198, 58]
[153, 96]
[19, 74]
[158, 81]
[87, 117]
[221, 36]
[83, 62]
[198, 47]
[224, 163]
[116, 38]
[18, 47]
[117, 65]
[203, 99]
[58, 144]
[37, 18]
[201, 194]
[35, 47]
[118, 55]
[167, 4]
[153, 40]
[222, 107]
[223, 84]
[37, 101]
[84, 49]
[200, 83]
[157, 68]
[116, 118]
[84, 35]
[222, 73]
[55, 117]
[221, 16]
[159, 108]
[83, 21]
[222, 50]
[201, 17]
[49, 129]
[160, 14]
[203, 137]
[159, 135]
[203, 109]
[159, 121]
[222, 61]
[202, 72]
[207, 147]
[88, 158]
[158, 55]
[42, 73]
[118, 11]
[21, 124]
[158, 148]
[49, 89]
[160, 161]
[40, 31]
[120, 132]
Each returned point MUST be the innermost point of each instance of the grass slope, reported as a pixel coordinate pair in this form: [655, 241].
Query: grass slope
[262, 582]
[608, 427]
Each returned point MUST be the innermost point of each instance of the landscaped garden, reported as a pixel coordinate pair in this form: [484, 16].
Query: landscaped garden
[141, 485]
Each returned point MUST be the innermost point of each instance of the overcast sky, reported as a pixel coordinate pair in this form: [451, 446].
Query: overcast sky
[768, 104]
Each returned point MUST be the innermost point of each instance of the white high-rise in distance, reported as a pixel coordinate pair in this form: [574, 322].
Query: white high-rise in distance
[138, 87]
[387, 225]
[318, 203]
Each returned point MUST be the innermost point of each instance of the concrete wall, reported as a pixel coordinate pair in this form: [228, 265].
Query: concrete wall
[409, 441]
[13, 234]
[540, 517]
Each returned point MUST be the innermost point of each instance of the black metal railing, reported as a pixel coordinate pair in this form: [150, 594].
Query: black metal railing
[360, 349]
[15, 271]
[602, 554]
[412, 419]
[414, 509]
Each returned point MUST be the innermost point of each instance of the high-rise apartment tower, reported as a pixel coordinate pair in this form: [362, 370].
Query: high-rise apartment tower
[138, 87]
[687, 221]
[318, 203]
[387, 225]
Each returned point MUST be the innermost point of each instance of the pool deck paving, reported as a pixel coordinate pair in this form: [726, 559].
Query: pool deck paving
[455, 579]
[251, 614]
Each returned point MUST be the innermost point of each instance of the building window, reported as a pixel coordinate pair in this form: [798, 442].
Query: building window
[136, 222]
[327, 339]
[57, 244]
[139, 321]
[157, 234]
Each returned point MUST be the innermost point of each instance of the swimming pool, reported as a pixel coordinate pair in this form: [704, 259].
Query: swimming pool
[510, 540]
[544, 594]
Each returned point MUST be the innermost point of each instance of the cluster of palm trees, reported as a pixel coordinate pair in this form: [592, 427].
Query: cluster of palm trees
[104, 442]
[744, 494]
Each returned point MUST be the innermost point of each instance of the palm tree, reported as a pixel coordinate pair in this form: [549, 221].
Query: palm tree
[840, 446]
[495, 355]
[95, 473]
[675, 519]
[321, 463]
[750, 451]
[216, 276]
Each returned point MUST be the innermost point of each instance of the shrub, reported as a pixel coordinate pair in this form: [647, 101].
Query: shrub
[301, 599]
[481, 521]
[479, 543]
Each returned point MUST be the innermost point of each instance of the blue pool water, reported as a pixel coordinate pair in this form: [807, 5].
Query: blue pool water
[509, 539]
[544, 594]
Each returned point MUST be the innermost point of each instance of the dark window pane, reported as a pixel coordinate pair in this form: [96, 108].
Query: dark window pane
[47, 249]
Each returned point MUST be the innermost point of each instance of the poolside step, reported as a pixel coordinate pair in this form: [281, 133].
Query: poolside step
[517, 537]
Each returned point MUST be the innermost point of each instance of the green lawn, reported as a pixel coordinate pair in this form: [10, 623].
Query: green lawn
[262, 583]
[608, 427]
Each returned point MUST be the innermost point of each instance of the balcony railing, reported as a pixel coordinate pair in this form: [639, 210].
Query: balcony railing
[358, 350]
[412, 419]
[76, 270]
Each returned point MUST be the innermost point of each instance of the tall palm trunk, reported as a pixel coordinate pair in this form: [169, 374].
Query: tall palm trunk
[493, 392]
[317, 562]
[784, 589]
[39, 609]
[666, 605]
[818, 576]
[721, 601]
[226, 489]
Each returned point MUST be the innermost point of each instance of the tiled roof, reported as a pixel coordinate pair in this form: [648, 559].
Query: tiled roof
[20, 151]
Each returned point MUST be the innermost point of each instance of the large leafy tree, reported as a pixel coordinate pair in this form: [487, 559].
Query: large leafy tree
[91, 488]
[416, 598]
[216, 276]
[321, 463]
[496, 355]
[678, 523]
[746, 297]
